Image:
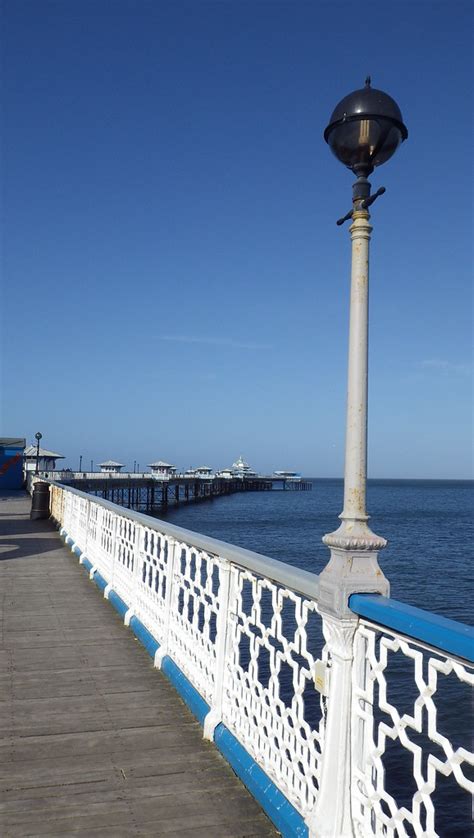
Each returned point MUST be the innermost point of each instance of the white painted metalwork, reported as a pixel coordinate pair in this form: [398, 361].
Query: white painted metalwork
[246, 639]
[380, 806]
[270, 702]
[152, 601]
[354, 532]
[332, 814]
[309, 694]
[196, 601]
[353, 565]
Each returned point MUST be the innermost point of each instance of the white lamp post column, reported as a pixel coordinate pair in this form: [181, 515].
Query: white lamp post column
[354, 531]
[354, 511]
[353, 565]
[354, 547]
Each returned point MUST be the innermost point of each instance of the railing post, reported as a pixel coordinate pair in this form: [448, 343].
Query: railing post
[67, 513]
[113, 552]
[173, 546]
[84, 553]
[332, 817]
[215, 714]
[135, 575]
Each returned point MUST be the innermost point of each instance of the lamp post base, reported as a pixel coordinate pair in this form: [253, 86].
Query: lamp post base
[352, 568]
[354, 534]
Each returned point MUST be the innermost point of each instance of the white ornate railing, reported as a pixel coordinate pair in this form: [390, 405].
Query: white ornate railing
[243, 629]
[270, 704]
[418, 723]
[361, 754]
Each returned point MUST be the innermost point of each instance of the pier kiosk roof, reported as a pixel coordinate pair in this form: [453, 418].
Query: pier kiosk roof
[110, 465]
[162, 470]
[46, 459]
[160, 464]
[31, 450]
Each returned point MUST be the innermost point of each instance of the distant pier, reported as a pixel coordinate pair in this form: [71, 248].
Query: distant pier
[146, 493]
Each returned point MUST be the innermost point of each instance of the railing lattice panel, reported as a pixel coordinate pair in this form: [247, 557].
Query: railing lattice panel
[385, 720]
[270, 701]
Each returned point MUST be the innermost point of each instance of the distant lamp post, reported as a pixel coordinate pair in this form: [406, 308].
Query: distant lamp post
[38, 436]
[364, 131]
[80, 463]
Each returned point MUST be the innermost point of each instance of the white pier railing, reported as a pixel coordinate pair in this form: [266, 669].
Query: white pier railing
[412, 717]
[295, 699]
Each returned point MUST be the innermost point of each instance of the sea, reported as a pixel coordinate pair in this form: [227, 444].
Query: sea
[429, 525]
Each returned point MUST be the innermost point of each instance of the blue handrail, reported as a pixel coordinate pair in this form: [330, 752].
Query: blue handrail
[442, 633]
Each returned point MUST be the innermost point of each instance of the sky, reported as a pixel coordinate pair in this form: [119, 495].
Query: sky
[174, 285]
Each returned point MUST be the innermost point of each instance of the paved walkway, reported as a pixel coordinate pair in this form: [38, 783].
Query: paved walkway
[93, 740]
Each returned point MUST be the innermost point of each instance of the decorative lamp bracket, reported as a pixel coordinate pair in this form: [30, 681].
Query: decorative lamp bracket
[361, 203]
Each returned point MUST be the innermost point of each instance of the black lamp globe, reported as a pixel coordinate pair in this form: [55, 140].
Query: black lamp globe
[38, 436]
[365, 129]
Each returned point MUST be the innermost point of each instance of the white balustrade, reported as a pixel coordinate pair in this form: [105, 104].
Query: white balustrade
[388, 799]
[247, 633]
[270, 702]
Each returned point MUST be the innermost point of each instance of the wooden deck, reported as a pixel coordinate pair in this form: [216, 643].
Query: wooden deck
[93, 740]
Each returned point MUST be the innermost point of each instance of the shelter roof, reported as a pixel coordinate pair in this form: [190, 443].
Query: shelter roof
[110, 463]
[31, 451]
[160, 463]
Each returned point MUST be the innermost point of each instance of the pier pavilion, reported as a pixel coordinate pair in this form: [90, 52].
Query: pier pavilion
[111, 467]
[162, 470]
[45, 459]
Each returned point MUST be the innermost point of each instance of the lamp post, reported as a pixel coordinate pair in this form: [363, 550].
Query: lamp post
[364, 131]
[38, 436]
[80, 462]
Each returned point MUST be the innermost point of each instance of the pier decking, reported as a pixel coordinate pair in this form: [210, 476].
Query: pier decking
[94, 741]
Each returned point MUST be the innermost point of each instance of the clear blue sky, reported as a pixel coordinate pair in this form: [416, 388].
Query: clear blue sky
[174, 283]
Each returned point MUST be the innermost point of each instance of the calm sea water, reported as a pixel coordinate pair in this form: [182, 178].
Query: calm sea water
[430, 527]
